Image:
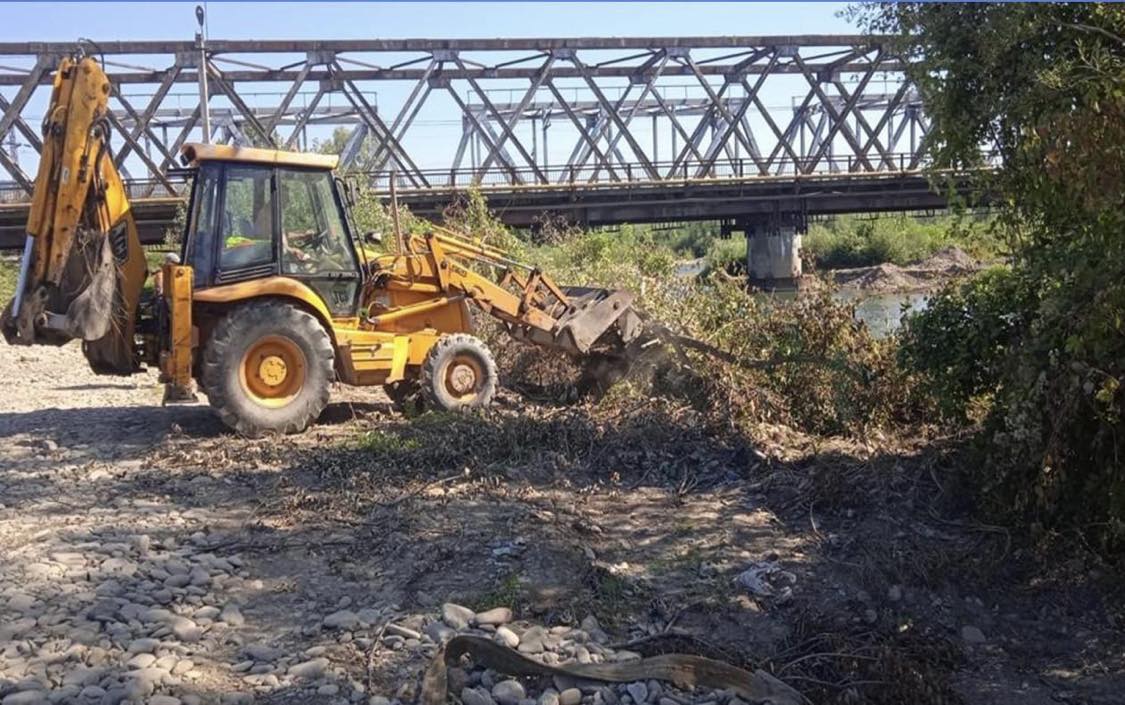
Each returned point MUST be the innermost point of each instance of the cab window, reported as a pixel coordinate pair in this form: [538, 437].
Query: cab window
[246, 225]
[312, 229]
[314, 242]
[199, 245]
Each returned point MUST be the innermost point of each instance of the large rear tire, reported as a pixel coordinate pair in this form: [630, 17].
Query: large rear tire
[268, 367]
[458, 374]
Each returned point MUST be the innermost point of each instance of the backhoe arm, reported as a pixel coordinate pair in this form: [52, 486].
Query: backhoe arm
[576, 320]
[83, 268]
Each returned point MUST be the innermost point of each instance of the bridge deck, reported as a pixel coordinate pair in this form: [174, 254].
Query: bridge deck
[609, 203]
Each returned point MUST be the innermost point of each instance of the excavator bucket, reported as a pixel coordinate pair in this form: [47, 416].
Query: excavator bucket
[83, 268]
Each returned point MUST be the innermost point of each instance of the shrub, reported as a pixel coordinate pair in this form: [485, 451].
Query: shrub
[862, 242]
[960, 343]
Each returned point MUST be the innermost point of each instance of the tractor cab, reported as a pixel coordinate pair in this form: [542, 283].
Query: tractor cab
[259, 213]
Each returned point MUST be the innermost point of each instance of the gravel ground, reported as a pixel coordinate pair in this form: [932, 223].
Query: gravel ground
[151, 557]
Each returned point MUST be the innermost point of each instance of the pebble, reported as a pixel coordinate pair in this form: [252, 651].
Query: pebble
[313, 668]
[508, 692]
[531, 641]
[163, 700]
[141, 661]
[477, 696]
[143, 646]
[456, 616]
[549, 697]
[260, 652]
[438, 631]
[187, 631]
[894, 593]
[972, 635]
[404, 632]
[494, 616]
[20, 602]
[507, 637]
[570, 696]
[343, 619]
[637, 691]
[25, 697]
[232, 616]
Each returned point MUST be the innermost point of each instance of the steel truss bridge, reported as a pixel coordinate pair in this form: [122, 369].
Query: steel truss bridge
[745, 129]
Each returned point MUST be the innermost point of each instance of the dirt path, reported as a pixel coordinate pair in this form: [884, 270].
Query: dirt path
[149, 555]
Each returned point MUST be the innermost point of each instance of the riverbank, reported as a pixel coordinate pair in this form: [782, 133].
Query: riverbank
[925, 275]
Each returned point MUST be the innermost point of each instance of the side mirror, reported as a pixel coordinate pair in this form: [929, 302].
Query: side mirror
[373, 237]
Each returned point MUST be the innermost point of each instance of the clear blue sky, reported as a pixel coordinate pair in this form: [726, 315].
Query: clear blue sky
[434, 135]
[239, 20]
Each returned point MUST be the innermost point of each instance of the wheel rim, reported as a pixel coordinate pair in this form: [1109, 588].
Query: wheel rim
[272, 371]
[463, 377]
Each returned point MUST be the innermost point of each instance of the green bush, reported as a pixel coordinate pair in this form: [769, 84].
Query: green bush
[9, 273]
[727, 255]
[960, 343]
[850, 241]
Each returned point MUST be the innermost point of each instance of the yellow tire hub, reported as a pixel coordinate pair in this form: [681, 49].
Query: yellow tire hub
[463, 376]
[272, 371]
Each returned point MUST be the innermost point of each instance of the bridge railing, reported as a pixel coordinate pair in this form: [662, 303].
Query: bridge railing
[660, 171]
[563, 175]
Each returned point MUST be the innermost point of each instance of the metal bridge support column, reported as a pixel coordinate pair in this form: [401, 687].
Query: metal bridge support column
[773, 252]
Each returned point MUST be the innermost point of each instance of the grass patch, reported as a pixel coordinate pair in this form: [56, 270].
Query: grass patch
[384, 442]
[505, 592]
[10, 269]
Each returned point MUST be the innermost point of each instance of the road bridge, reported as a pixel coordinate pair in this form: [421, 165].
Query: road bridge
[757, 131]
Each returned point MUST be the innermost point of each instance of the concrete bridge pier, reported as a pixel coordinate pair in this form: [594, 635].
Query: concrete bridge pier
[773, 252]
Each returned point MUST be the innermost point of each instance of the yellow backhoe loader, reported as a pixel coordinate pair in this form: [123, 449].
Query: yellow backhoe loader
[272, 297]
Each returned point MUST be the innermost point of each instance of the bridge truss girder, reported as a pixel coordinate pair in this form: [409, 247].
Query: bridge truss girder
[611, 105]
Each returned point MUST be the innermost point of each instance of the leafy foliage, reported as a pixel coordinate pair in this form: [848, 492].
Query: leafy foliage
[1044, 85]
[857, 242]
[802, 361]
[962, 341]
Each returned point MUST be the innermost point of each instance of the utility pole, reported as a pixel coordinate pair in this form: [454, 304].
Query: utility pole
[204, 102]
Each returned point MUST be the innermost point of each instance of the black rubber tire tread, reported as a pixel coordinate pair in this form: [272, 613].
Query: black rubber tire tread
[434, 393]
[223, 354]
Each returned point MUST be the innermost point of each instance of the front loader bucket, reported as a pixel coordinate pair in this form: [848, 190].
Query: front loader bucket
[598, 319]
[596, 322]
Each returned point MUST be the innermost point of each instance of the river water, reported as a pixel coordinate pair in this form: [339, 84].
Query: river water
[883, 311]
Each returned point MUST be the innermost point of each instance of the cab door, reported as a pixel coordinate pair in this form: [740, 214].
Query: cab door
[315, 245]
[231, 233]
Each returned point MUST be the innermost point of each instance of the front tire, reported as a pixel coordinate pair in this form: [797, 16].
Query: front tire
[268, 367]
[459, 374]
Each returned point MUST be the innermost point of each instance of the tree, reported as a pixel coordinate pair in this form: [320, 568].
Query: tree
[339, 140]
[1044, 85]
